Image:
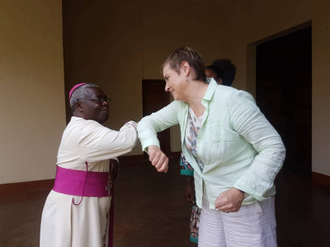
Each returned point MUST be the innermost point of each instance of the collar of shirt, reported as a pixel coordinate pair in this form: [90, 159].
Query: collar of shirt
[209, 91]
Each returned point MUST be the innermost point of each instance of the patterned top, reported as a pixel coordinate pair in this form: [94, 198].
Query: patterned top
[185, 168]
[193, 126]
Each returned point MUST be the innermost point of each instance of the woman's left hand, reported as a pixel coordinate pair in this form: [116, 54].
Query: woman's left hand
[229, 201]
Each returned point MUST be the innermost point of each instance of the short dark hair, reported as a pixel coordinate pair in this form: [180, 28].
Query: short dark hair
[216, 71]
[189, 55]
[228, 70]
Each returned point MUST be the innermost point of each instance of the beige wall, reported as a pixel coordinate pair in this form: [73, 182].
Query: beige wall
[117, 45]
[168, 25]
[257, 20]
[103, 45]
[32, 89]
[253, 21]
[321, 88]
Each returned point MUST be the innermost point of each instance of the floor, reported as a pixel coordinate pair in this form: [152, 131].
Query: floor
[150, 211]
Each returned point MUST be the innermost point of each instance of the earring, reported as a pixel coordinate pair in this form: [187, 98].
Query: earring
[186, 79]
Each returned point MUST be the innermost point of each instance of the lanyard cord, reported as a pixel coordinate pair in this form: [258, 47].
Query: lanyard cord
[82, 196]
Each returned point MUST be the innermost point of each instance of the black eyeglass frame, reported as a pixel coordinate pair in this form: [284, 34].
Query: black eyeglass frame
[98, 100]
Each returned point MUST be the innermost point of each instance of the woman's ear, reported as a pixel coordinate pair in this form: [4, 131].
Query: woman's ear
[185, 68]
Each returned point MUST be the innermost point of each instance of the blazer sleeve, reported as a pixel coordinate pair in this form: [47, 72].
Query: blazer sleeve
[150, 125]
[250, 123]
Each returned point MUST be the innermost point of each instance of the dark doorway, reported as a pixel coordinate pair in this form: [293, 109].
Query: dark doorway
[154, 99]
[284, 94]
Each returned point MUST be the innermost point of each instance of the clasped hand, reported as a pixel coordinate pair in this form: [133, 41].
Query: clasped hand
[229, 201]
[158, 159]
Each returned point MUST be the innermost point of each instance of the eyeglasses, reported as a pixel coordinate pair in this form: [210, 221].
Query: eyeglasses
[98, 100]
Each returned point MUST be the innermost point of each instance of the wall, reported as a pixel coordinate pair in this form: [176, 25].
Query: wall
[32, 89]
[255, 21]
[103, 45]
[321, 89]
[247, 22]
[168, 25]
[117, 45]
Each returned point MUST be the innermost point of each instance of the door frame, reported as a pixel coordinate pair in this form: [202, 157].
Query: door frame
[167, 150]
[251, 55]
[251, 67]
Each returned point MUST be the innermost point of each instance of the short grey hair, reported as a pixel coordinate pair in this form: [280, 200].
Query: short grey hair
[79, 94]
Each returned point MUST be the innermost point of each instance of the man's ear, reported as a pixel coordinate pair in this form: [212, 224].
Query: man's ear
[78, 106]
[219, 81]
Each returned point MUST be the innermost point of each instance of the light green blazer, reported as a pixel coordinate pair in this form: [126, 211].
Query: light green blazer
[236, 143]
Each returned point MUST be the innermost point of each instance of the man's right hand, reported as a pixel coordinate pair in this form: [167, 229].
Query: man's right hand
[158, 159]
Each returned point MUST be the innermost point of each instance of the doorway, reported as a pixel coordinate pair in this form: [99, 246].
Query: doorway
[155, 98]
[284, 94]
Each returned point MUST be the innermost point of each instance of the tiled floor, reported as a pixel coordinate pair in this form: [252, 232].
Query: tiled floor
[150, 211]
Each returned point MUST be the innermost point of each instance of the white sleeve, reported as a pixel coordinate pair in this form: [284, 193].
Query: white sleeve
[101, 143]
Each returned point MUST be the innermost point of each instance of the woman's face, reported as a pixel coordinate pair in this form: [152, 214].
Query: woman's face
[175, 83]
[95, 106]
[210, 73]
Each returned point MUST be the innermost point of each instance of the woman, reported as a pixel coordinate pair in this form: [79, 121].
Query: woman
[233, 149]
[224, 74]
[76, 212]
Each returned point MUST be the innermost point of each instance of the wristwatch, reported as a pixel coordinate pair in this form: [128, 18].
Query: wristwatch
[246, 195]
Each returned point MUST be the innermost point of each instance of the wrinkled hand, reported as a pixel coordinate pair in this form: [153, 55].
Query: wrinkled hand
[158, 159]
[114, 170]
[230, 200]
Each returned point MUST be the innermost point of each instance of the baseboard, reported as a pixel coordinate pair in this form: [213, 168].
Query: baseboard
[320, 178]
[24, 187]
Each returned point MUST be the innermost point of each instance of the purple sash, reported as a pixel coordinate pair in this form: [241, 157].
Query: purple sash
[86, 183]
[81, 183]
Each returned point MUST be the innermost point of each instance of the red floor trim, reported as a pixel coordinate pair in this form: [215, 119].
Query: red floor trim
[18, 188]
[320, 178]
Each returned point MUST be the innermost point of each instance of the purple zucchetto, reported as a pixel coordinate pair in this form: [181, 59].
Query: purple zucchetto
[75, 87]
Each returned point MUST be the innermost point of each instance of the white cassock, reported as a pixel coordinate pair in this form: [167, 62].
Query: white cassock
[64, 224]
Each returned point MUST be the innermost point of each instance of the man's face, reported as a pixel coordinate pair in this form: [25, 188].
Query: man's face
[95, 105]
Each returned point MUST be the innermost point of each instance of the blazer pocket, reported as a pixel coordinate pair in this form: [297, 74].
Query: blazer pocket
[217, 133]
